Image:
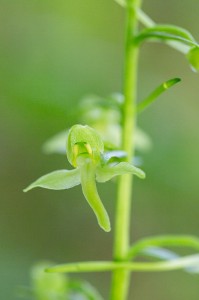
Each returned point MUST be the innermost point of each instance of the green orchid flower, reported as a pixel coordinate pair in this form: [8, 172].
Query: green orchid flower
[85, 152]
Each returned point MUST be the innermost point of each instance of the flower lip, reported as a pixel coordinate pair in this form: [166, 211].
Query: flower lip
[82, 149]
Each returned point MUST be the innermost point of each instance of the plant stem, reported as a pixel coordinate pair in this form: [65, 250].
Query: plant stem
[189, 261]
[121, 278]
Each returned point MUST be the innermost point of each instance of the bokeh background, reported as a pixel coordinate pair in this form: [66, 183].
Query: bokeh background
[52, 53]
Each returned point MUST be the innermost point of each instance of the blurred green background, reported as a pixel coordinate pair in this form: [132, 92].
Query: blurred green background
[51, 54]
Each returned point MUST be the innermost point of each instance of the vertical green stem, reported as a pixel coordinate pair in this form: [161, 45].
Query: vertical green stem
[121, 278]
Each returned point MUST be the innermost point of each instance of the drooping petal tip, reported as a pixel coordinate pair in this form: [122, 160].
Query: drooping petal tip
[141, 174]
[28, 188]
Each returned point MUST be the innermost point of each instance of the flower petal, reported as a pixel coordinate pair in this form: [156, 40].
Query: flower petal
[105, 173]
[57, 180]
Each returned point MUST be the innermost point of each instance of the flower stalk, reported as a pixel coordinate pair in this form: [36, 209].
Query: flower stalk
[121, 277]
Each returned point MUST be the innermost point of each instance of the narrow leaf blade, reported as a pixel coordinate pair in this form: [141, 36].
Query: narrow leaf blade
[164, 241]
[156, 93]
[166, 33]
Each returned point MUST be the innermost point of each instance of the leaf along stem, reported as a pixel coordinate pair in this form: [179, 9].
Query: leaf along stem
[156, 93]
[148, 22]
[163, 241]
[163, 36]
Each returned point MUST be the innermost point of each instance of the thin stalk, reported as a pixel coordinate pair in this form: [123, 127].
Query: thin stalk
[121, 277]
[189, 261]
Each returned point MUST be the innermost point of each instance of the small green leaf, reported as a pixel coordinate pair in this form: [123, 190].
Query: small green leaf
[166, 33]
[148, 22]
[162, 241]
[193, 58]
[156, 93]
[106, 173]
[57, 180]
